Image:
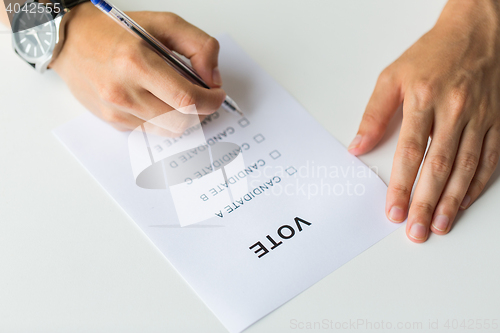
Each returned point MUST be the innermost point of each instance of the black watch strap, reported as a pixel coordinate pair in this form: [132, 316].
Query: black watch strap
[71, 3]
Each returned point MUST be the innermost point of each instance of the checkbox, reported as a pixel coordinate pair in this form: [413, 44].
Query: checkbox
[259, 138]
[243, 122]
[291, 170]
[274, 154]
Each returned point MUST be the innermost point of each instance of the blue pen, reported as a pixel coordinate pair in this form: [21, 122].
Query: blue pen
[170, 57]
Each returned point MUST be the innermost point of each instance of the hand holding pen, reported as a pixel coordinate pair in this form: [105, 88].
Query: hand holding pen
[170, 57]
[124, 82]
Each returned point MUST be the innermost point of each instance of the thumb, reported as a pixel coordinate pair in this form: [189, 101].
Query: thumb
[383, 104]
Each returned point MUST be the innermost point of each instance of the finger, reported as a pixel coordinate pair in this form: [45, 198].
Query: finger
[190, 41]
[120, 120]
[152, 128]
[384, 102]
[487, 165]
[147, 106]
[166, 84]
[464, 168]
[123, 121]
[165, 120]
[410, 151]
[127, 111]
[434, 175]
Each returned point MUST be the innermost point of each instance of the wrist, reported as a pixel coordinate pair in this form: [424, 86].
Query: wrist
[472, 26]
[64, 27]
[482, 14]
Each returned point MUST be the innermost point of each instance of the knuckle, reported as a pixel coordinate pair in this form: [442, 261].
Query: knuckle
[412, 152]
[457, 101]
[458, 97]
[112, 117]
[173, 18]
[439, 164]
[480, 185]
[212, 44]
[184, 98]
[424, 95]
[370, 118]
[401, 190]
[114, 95]
[109, 93]
[491, 159]
[485, 104]
[423, 207]
[452, 201]
[386, 76]
[129, 57]
[468, 162]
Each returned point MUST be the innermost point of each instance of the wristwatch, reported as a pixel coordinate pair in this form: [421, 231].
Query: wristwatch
[38, 30]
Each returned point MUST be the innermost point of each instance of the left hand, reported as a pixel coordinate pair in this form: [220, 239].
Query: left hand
[449, 81]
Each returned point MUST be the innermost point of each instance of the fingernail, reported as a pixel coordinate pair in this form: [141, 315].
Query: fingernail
[355, 143]
[418, 231]
[217, 79]
[396, 214]
[465, 202]
[441, 222]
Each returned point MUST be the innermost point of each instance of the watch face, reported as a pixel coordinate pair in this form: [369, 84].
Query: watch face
[35, 32]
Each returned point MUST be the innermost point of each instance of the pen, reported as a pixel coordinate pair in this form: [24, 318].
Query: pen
[170, 57]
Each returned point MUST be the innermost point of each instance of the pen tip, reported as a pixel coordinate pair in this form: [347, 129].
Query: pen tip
[237, 108]
[231, 106]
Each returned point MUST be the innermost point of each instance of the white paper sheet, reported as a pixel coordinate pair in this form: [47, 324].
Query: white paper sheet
[320, 216]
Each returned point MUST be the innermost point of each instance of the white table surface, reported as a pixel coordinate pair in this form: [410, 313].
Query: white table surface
[72, 261]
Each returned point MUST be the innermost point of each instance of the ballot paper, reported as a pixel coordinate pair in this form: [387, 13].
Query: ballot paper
[305, 206]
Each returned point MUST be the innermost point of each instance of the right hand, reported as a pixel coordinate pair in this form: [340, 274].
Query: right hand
[119, 79]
